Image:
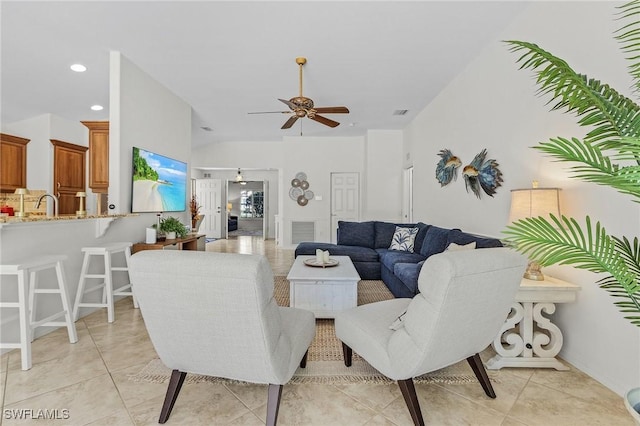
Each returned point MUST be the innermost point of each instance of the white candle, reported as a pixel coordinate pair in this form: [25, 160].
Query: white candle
[319, 256]
[326, 256]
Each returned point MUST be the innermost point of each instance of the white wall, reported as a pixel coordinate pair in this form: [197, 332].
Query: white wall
[146, 115]
[382, 185]
[317, 157]
[491, 104]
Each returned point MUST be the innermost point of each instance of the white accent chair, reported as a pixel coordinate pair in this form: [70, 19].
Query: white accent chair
[465, 297]
[214, 314]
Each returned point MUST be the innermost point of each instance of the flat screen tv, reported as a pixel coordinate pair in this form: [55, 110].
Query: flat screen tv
[159, 183]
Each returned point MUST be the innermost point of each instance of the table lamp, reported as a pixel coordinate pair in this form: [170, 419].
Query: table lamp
[81, 211]
[534, 202]
[22, 192]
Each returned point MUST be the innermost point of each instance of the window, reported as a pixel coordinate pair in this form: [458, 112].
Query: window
[251, 203]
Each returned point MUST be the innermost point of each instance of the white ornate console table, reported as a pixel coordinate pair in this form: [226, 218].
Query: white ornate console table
[527, 338]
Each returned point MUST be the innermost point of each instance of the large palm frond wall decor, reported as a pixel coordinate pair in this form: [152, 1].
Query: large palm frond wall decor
[608, 155]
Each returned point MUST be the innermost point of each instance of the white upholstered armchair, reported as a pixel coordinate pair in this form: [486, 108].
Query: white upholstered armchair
[214, 314]
[464, 298]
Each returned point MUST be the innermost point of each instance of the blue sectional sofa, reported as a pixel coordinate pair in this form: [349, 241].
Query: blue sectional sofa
[368, 246]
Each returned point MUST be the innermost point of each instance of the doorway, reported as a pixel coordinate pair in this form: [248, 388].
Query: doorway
[247, 209]
[407, 195]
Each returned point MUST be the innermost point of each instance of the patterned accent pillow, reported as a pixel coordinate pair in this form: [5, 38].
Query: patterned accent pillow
[404, 239]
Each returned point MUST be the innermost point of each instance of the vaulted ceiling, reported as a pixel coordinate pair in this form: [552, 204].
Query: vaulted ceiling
[227, 59]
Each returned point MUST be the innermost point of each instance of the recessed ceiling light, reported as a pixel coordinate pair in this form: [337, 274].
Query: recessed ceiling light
[78, 68]
[97, 107]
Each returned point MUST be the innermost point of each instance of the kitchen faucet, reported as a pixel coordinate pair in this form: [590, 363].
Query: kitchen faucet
[55, 202]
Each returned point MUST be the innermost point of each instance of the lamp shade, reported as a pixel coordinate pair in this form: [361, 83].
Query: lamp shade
[21, 191]
[534, 202]
[229, 207]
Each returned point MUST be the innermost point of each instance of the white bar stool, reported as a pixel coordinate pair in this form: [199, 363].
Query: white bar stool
[108, 292]
[26, 273]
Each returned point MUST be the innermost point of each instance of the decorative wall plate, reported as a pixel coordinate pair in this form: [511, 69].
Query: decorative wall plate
[301, 176]
[295, 192]
[308, 194]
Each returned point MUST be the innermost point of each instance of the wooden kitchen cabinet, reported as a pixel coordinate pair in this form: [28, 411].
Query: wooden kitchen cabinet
[13, 162]
[98, 155]
[69, 175]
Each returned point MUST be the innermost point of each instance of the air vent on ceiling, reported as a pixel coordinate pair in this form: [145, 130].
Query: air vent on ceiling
[400, 112]
[206, 128]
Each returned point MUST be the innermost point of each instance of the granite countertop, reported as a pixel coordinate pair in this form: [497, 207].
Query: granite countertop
[45, 218]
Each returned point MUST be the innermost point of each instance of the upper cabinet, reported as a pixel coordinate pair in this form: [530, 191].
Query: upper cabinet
[98, 155]
[13, 162]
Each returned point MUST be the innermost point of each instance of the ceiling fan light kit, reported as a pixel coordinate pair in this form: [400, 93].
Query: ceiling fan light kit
[301, 106]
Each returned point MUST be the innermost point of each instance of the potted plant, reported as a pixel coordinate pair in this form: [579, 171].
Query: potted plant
[608, 155]
[173, 228]
[194, 208]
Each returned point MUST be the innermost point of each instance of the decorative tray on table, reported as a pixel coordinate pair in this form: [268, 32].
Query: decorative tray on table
[314, 262]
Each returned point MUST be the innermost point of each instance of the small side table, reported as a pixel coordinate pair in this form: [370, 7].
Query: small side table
[527, 338]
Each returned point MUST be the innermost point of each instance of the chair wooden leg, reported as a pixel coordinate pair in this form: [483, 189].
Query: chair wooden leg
[175, 383]
[303, 361]
[478, 369]
[273, 404]
[411, 398]
[347, 352]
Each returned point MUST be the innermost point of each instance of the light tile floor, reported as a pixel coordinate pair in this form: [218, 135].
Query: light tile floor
[89, 379]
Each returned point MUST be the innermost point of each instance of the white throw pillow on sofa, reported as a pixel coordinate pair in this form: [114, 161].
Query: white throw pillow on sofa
[404, 239]
[454, 246]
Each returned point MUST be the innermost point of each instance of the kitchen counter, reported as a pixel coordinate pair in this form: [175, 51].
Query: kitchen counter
[45, 218]
[102, 222]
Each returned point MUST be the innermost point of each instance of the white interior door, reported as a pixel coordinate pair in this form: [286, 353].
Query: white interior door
[345, 200]
[407, 195]
[208, 192]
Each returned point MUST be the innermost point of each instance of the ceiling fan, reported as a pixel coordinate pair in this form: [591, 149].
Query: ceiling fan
[301, 106]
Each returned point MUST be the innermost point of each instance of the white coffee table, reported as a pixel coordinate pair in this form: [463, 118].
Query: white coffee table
[323, 291]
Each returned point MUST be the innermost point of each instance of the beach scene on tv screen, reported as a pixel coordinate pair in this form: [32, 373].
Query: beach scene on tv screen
[159, 183]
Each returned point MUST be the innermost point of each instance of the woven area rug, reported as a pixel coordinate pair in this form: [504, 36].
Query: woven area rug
[325, 363]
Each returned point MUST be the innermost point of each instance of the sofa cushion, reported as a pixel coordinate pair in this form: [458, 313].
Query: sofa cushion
[408, 273]
[356, 234]
[357, 254]
[404, 238]
[462, 238]
[435, 241]
[390, 257]
[422, 233]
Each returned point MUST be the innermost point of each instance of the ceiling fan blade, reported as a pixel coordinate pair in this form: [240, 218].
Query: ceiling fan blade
[332, 110]
[288, 103]
[325, 121]
[270, 112]
[289, 122]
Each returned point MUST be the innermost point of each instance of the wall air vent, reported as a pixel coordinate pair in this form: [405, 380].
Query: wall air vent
[400, 112]
[302, 231]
